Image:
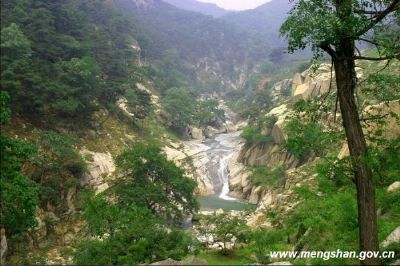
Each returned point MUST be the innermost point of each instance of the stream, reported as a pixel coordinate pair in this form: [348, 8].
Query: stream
[221, 150]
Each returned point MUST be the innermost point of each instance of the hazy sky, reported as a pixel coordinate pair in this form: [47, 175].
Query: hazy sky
[237, 4]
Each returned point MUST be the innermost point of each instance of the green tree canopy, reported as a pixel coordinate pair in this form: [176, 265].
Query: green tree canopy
[18, 193]
[126, 235]
[153, 182]
[337, 27]
[180, 107]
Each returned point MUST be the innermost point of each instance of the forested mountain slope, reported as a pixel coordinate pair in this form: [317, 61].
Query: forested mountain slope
[199, 48]
[264, 20]
[83, 82]
[114, 113]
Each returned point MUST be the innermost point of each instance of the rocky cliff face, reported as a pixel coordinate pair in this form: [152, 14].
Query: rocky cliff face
[302, 86]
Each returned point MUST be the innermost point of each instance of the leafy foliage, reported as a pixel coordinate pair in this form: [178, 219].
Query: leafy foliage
[223, 228]
[308, 133]
[63, 58]
[269, 176]
[208, 112]
[153, 182]
[18, 193]
[129, 234]
[179, 106]
[306, 139]
[265, 240]
[257, 132]
[56, 167]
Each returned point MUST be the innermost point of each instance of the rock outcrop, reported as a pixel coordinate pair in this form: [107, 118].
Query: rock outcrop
[192, 156]
[281, 90]
[394, 187]
[393, 238]
[389, 112]
[310, 84]
[100, 168]
[271, 153]
[195, 133]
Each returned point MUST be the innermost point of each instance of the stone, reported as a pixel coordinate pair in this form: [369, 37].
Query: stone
[230, 127]
[344, 152]
[255, 195]
[297, 80]
[71, 194]
[167, 262]
[123, 105]
[391, 130]
[281, 263]
[210, 131]
[278, 133]
[302, 91]
[3, 246]
[394, 187]
[311, 84]
[219, 212]
[51, 217]
[101, 166]
[256, 220]
[195, 133]
[229, 245]
[68, 238]
[279, 111]
[393, 237]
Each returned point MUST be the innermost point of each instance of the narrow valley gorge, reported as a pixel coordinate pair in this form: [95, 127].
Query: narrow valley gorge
[169, 132]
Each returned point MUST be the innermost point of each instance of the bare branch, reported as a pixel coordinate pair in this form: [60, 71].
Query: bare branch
[368, 41]
[367, 12]
[358, 51]
[376, 58]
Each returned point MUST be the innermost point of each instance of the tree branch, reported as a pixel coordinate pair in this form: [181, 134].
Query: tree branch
[367, 12]
[376, 58]
[394, 6]
[368, 41]
[327, 48]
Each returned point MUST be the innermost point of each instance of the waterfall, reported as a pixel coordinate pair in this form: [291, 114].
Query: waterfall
[223, 175]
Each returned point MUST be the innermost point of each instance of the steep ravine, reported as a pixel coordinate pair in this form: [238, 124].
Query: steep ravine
[208, 160]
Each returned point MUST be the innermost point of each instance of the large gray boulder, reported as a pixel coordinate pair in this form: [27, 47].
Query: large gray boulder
[393, 238]
[100, 167]
[278, 133]
[255, 195]
[195, 133]
[394, 187]
[311, 84]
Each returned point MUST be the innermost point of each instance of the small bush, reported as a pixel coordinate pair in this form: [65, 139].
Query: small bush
[253, 132]
[269, 176]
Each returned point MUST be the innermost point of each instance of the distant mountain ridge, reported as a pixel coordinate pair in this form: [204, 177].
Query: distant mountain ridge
[204, 8]
[197, 47]
[264, 20]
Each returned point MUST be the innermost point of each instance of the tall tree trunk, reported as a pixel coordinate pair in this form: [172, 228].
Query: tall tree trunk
[346, 85]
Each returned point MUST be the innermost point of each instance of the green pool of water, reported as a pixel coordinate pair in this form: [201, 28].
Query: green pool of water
[215, 203]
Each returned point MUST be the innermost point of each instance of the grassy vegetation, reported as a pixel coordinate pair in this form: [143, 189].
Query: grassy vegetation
[269, 176]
